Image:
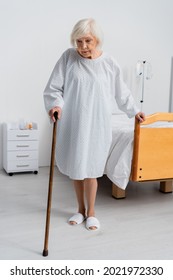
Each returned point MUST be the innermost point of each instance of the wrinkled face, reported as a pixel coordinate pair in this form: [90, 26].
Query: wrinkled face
[86, 46]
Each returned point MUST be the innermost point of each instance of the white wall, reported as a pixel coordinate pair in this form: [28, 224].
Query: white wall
[171, 88]
[34, 33]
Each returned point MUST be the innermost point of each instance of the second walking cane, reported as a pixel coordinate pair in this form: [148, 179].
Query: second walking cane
[49, 199]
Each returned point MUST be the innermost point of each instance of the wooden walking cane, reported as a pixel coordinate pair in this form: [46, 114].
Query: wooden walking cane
[49, 199]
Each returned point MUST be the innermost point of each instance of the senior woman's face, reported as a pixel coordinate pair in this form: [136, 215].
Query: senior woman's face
[86, 46]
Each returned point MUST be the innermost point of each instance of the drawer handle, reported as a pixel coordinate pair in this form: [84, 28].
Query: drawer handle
[22, 156]
[22, 165]
[22, 146]
[24, 135]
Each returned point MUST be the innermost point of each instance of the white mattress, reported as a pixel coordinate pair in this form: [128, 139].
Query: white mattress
[118, 166]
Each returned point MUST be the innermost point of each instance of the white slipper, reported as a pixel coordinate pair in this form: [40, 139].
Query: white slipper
[78, 218]
[92, 222]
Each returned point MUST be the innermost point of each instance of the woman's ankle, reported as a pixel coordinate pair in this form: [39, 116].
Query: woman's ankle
[82, 211]
[90, 213]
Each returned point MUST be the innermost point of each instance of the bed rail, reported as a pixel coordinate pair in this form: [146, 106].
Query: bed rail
[152, 146]
[155, 118]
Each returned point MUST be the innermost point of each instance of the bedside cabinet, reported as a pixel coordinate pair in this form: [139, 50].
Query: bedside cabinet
[20, 149]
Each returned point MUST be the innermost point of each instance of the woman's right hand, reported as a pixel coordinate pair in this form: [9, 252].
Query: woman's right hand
[53, 110]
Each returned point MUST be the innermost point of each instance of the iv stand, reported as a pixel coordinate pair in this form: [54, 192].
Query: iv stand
[142, 97]
[144, 70]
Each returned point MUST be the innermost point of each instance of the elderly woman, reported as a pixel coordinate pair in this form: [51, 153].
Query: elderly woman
[80, 89]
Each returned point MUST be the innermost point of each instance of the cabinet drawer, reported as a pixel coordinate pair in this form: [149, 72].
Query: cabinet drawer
[22, 145]
[22, 134]
[22, 165]
[22, 155]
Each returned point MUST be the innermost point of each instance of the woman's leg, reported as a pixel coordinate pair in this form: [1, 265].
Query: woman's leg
[86, 188]
[79, 190]
[90, 186]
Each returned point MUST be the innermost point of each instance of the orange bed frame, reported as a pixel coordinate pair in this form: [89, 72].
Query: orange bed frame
[152, 154]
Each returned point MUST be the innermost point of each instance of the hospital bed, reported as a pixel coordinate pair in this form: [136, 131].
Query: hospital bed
[141, 152]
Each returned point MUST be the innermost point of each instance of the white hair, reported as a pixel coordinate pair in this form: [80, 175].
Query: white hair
[85, 26]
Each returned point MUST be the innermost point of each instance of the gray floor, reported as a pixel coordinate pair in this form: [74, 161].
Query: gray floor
[138, 227]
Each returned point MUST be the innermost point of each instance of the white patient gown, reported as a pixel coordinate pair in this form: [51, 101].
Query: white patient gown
[84, 89]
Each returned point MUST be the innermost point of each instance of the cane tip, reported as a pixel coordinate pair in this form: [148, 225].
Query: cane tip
[45, 253]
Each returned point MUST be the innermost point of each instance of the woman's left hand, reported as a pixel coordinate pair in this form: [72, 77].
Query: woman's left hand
[140, 117]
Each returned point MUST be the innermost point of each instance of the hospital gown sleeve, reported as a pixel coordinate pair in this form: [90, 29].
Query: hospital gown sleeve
[124, 97]
[53, 93]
